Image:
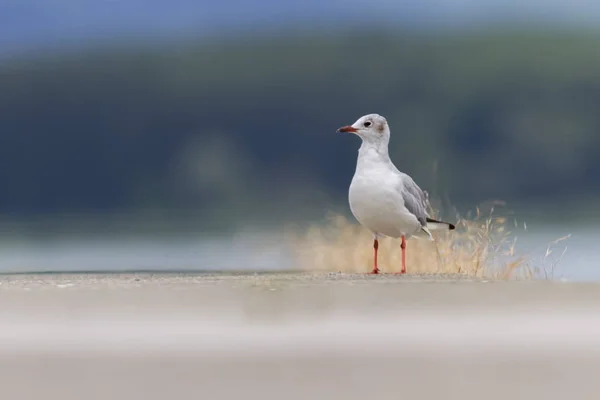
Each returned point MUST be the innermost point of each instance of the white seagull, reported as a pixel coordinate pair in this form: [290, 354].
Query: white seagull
[383, 199]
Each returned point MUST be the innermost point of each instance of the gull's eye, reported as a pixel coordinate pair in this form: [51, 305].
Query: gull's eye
[367, 124]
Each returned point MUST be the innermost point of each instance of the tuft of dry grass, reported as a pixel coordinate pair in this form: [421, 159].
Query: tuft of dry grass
[481, 246]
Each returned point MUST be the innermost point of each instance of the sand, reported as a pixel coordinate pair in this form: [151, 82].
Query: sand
[295, 336]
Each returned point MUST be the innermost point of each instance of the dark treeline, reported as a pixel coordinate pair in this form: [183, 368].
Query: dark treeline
[220, 125]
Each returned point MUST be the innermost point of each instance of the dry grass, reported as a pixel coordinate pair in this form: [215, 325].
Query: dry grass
[481, 246]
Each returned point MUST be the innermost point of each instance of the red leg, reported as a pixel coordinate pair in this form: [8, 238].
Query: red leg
[375, 247]
[403, 247]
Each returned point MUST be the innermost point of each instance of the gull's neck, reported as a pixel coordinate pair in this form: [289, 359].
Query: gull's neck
[373, 154]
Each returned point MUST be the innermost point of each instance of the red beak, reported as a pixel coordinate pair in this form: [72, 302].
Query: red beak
[347, 128]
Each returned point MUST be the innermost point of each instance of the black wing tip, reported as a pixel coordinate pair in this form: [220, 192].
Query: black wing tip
[451, 227]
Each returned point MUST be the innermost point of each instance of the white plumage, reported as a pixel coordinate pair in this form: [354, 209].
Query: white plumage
[383, 199]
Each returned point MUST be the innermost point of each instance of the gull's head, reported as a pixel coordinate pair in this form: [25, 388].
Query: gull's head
[370, 128]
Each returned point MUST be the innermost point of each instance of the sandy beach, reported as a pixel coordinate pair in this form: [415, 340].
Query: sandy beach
[296, 336]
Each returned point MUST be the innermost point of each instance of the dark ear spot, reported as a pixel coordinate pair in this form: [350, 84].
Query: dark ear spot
[380, 127]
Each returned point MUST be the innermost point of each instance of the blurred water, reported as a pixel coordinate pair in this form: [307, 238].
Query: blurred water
[251, 252]
[579, 262]
[155, 254]
[571, 259]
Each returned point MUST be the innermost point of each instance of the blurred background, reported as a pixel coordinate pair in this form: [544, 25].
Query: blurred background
[185, 134]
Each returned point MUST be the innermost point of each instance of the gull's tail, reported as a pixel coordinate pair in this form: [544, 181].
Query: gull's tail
[433, 225]
[436, 225]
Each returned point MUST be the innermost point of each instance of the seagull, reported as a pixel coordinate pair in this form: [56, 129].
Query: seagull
[384, 200]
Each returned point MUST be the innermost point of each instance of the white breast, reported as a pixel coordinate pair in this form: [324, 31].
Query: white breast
[376, 202]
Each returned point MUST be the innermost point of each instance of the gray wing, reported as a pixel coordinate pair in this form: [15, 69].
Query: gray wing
[415, 199]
